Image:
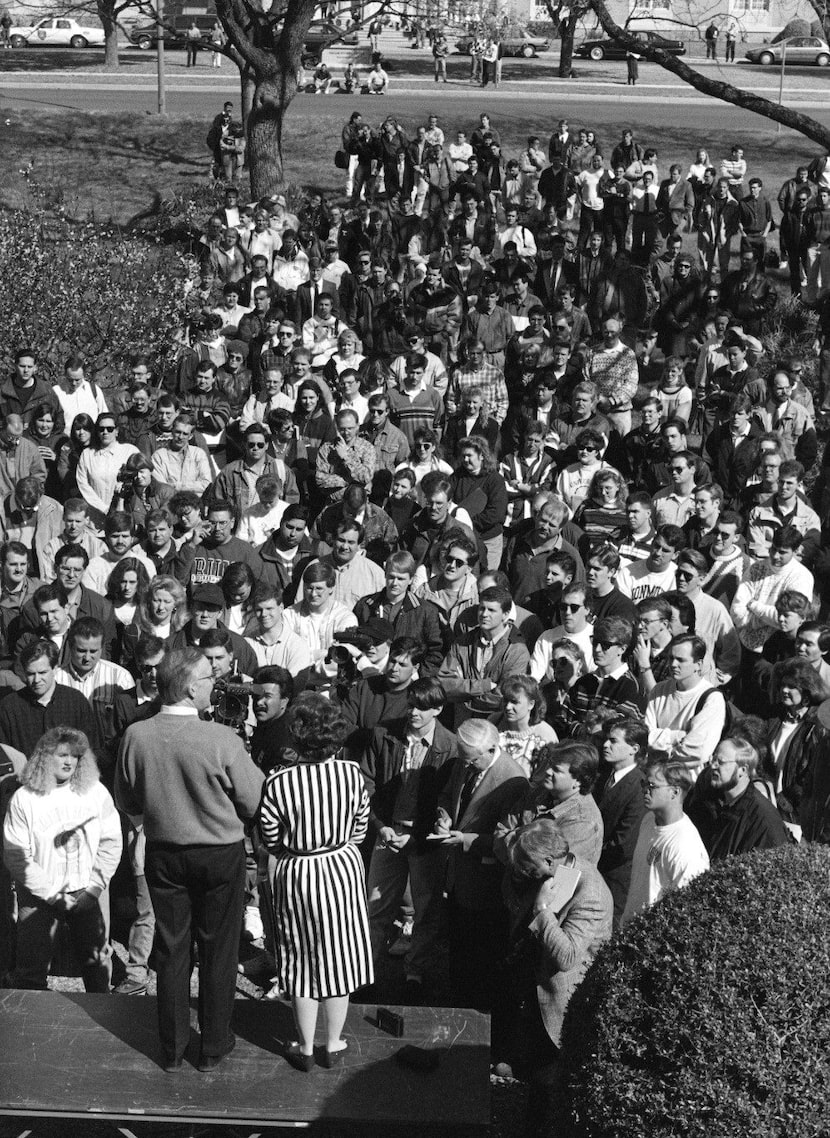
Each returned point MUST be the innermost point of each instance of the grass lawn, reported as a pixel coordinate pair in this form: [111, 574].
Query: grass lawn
[110, 165]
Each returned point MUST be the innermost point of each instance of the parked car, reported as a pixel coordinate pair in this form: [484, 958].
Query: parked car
[321, 34]
[145, 34]
[515, 41]
[800, 49]
[57, 32]
[597, 49]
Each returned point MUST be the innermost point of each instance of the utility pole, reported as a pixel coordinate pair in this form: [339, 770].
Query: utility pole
[162, 93]
[781, 84]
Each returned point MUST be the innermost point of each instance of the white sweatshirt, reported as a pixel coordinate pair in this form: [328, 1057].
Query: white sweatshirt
[61, 842]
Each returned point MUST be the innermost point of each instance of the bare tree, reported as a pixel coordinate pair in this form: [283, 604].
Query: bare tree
[565, 18]
[716, 88]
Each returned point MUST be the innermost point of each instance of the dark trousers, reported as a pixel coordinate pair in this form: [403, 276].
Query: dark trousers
[478, 945]
[198, 892]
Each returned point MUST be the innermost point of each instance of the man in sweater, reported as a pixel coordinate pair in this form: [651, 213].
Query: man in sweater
[220, 548]
[26, 715]
[194, 784]
[685, 715]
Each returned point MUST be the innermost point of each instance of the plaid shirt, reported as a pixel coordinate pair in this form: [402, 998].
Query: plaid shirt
[491, 381]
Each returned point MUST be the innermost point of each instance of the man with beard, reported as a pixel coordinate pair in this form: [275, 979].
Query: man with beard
[731, 815]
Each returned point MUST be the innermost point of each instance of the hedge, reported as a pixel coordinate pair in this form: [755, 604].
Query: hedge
[709, 1017]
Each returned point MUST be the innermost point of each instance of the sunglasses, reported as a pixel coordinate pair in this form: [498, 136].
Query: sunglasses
[454, 561]
[107, 429]
[588, 449]
[560, 661]
[377, 410]
[606, 644]
[685, 574]
[256, 446]
[565, 607]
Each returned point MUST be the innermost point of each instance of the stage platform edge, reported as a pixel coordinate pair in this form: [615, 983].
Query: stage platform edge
[75, 1055]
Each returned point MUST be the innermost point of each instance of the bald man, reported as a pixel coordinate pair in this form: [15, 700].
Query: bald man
[485, 782]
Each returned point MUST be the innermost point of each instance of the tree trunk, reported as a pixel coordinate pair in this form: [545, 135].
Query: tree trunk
[567, 31]
[272, 97]
[110, 26]
[248, 84]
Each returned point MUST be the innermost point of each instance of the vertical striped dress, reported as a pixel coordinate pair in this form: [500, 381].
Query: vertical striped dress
[313, 818]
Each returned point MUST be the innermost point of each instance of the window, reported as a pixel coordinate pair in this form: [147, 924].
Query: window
[644, 7]
[750, 5]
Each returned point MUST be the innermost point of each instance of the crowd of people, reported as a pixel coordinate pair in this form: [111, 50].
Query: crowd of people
[457, 594]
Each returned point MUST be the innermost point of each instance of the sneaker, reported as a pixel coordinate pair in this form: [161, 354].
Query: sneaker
[252, 928]
[402, 945]
[131, 988]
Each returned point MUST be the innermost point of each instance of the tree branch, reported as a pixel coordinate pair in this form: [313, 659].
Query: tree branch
[715, 88]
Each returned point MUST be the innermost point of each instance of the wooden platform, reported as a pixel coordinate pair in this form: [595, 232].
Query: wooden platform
[97, 1056]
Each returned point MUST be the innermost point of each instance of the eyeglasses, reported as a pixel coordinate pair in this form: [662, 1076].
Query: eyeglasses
[571, 608]
[560, 661]
[256, 446]
[652, 786]
[285, 335]
[423, 446]
[454, 561]
[716, 762]
[725, 534]
[412, 339]
[235, 357]
[106, 429]
[678, 469]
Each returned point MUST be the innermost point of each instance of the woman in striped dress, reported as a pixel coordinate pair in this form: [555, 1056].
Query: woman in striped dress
[314, 816]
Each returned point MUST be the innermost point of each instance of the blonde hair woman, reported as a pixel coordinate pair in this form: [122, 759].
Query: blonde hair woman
[62, 844]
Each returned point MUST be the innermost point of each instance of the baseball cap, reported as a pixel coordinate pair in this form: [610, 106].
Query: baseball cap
[378, 630]
[209, 595]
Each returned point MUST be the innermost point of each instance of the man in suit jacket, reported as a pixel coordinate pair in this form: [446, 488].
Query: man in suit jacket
[310, 291]
[555, 273]
[619, 795]
[406, 767]
[485, 782]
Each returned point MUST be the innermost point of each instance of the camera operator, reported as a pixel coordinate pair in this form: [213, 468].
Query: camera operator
[227, 707]
[137, 492]
[274, 691]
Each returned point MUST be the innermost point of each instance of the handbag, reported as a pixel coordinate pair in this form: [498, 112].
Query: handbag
[341, 160]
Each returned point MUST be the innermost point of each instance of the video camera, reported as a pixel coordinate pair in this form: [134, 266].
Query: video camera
[230, 703]
[126, 480]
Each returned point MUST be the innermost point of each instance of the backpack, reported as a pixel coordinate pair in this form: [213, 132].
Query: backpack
[732, 713]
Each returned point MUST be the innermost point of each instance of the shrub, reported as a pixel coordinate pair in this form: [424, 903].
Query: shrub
[710, 1015]
[71, 286]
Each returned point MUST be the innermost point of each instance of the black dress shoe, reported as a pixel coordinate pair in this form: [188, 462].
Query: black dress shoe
[169, 1064]
[211, 1062]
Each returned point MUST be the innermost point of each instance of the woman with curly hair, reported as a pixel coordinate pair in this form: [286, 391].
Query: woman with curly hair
[479, 489]
[603, 515]
[521, 725]
[62, 844]
[796, 739]
[313, 817]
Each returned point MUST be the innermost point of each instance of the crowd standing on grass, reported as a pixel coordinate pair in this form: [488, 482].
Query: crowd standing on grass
[476, 538]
